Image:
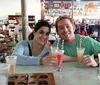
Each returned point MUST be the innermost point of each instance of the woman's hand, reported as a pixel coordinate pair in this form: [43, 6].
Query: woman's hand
[89, 61]
[48, 61]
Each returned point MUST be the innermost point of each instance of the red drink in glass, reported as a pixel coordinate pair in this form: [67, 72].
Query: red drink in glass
[59, 56]
[59, 59]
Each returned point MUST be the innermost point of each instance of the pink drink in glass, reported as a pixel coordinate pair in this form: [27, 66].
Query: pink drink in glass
[59, 59]
[59, 56]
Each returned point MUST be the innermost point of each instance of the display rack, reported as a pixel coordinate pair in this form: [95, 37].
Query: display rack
[31, 19]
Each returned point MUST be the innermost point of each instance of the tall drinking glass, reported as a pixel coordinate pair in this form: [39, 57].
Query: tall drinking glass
[12, 61]
[53, 53]
[80, 53]
[59, 56]
[4, 73]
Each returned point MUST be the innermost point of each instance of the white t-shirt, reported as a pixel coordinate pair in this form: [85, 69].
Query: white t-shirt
[28, 31]
[18, 32]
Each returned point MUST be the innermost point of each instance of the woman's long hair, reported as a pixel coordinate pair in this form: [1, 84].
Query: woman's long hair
[38, 25]
[31, 36]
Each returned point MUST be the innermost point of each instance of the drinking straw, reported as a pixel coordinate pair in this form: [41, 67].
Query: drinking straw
[58, 39]
[62, 45]
[80, 42]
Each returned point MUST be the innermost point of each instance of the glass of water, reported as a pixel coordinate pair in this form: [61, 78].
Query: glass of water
[4, 73]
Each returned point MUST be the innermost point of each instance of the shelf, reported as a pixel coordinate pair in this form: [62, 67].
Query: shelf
[31, 19]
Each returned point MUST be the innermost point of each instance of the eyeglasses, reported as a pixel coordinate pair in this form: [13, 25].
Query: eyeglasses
[46, 33]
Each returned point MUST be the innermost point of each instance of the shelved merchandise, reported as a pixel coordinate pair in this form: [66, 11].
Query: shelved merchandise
[31, 21]
[12, 20]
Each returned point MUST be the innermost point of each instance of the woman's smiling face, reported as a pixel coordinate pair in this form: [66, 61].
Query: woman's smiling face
[42, 35]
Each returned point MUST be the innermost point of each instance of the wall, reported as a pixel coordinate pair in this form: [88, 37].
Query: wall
[34, 8]
[12, 7]
[9, 7]
[80, 10]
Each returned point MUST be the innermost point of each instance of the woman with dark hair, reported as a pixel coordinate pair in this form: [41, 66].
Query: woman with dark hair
[35, 51]
[30, 36]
